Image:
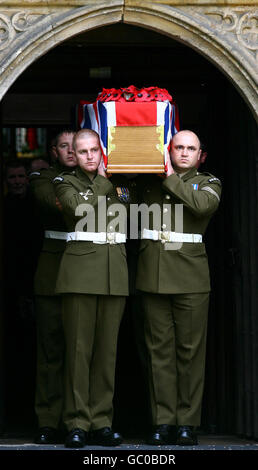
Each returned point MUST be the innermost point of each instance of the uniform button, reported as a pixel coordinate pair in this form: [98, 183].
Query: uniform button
[165, 210]
[163, 241]
[108, 198]
[111, 228]
[110, 213]
[167, 196]
[164, 226]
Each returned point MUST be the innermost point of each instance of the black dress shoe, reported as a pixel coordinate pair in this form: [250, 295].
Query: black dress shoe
[76, 438]
[105, 437]
[47, 435]
[162, 434]
[186, 436]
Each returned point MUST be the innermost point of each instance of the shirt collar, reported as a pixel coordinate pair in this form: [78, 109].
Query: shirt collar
[82, 174]
[189, 174]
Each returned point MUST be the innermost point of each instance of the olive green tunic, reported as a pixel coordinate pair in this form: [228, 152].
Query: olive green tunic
[41, 183]
[186, 269]
[87, 267]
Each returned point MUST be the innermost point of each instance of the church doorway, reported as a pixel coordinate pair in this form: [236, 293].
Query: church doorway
[44, 96]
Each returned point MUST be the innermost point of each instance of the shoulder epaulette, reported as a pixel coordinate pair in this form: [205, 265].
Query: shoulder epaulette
[58, 179]
[212, 178]
[34, 173]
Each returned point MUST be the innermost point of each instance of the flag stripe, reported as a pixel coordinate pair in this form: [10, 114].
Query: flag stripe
[136, 114]
[102, 112]
[111, 112]
[86, 118]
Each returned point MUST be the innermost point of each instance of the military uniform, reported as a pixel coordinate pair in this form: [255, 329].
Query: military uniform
[93, 280]
[50, 340]
[176, 285]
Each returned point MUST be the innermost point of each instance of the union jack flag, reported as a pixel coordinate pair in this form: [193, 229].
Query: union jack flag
[99, 116]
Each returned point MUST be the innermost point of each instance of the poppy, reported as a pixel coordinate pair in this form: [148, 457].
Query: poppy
[132, 93]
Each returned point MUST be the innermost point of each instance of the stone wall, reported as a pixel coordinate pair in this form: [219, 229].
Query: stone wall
[224, 31]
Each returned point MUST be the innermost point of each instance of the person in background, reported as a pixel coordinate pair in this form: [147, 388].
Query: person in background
[16, 179]
[23, 236]
[50, 339]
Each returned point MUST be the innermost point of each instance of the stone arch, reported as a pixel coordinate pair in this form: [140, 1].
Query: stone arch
[224, 36]
[204, 30]
[44, 31]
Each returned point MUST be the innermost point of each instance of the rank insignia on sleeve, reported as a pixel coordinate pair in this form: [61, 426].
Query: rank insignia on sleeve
[35, 173]
[195, 186]
[123, 194]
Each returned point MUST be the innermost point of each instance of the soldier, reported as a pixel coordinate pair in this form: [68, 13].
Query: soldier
[50, 340]
[93, 280]
[173, 274]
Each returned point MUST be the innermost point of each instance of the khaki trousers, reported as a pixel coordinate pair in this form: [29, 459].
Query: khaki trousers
[91, 326]
[175, 331]
[50, 359]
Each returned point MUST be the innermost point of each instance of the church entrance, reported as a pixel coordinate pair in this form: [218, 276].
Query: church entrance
[44, 97]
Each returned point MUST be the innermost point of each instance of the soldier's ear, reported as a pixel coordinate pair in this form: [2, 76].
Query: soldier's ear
[54, 151]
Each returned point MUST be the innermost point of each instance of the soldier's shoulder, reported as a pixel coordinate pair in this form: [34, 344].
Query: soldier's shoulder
[64, 177]
[210, 178]
[43, 174]
[38, 174]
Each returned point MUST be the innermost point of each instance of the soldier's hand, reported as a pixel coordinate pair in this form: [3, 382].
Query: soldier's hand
[101, 169]
[170, 169]
[58, 204]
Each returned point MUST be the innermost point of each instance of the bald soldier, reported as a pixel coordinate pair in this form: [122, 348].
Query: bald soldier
[173, 275]
[93, 281]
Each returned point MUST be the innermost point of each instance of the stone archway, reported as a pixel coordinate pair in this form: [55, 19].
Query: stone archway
[226, 35]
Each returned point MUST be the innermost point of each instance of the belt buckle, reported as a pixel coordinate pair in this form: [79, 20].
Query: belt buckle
[164, 236]
[111, 238]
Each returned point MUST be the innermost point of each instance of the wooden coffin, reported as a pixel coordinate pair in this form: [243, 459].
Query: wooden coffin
[135, 149]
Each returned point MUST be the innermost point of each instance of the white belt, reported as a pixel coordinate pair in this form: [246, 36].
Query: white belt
[97, 237]
[56, 235]
[171, 236]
